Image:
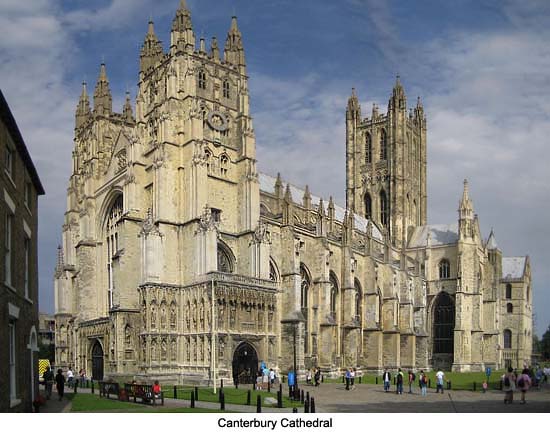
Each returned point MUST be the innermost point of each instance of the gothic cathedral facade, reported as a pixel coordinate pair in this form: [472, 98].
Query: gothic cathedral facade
[180, 261]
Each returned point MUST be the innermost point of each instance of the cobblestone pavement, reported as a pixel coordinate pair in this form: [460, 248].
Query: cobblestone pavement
[366, 398]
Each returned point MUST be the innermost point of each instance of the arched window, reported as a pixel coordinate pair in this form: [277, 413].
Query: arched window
[305, 285]
[508, 291]
[224, 164]
[111, 241]
[383, 209]
[507, 339]
[333, 295]
[208, 159]
[368, 206]
[444, 269]
[368, 148]
[444, 322]
[358, 300]
[225, 261]
[509, 308]
[226, 93]
[383, 145]
[202, 79]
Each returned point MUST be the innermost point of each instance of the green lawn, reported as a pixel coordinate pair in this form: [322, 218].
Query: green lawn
[232, 395]
[83, 402]
[459, 380]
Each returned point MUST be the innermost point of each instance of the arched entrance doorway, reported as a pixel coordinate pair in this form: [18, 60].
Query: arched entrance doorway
[97, 361]
[245, 364]
[443, 331]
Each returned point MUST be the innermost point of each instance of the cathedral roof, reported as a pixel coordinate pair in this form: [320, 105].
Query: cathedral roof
[439, 235]
[513, 267]
[267, 184]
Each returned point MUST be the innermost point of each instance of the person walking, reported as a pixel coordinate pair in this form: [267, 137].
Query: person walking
[60, 383]
[70, 377]
[440, 376]
[399, 381]
[317, 377]
[386, 377]
[423, 381]
[352, 378]
[347, 377]
[412, 377]
[524, 383]
[48, 382]
[509, 385]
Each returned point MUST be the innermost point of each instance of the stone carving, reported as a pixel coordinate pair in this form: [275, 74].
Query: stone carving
[173, 350]
[261, 234]
[163, 315]
[153, 316]
[163, 350]
[173, 316]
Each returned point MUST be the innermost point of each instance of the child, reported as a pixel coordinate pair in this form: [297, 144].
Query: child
[484, 385]
[156, 390]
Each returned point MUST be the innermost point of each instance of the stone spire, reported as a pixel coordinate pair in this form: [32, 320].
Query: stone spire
[354, 109]
[234, 51]
[214, 49]
[127, 109]
[103, 100]
[491, 241]
[398, 99]
[182, 28]
[307, 198]
[60, 261]
[83, 111]
[466, 208]
[288, 195]
[151, 51]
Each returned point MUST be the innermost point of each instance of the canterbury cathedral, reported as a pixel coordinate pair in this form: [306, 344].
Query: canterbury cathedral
[181, 262]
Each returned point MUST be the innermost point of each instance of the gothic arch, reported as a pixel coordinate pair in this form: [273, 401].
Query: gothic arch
[305, 302]
[443, 323]
[245, 363]
[334, 291]
[383, 144]
[226, 259]
[106, 206]
[384, 209]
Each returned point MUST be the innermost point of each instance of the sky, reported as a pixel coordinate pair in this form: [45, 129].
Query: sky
[480, 67]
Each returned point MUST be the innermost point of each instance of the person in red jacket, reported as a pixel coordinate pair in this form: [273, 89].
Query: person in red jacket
[156, 390]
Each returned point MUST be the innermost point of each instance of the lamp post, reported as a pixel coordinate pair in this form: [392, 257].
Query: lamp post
[294, 321]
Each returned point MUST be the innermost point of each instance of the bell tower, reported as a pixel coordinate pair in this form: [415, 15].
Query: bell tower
[386, 165]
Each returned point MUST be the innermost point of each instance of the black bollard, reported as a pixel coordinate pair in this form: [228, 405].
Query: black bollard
[175, 392]
[360, 380]
[343, 379]
[283, 379]
[221, 384]
[248, 397]
[376, 380]
[448, 385]
[312, 406]
[280, 399]
[236, 384]
[222, 401]
[307, 397]
[294, 410]
[192, 399]
[302, 396]
[322, 378]
[259, 404]
[92, 386]
[220, 394]
[474, 386]
[196, 393]
[429, 383]
[306, 406]
[269, 386]
[290, 392]
[281, 388]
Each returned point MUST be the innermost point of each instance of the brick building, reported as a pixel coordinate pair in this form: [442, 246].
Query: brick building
[19, 191]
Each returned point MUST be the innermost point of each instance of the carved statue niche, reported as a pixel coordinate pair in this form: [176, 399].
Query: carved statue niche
[173, 316]
[173, 350]
[153, 315]
[163, 350]
[221, 347]
[199, 346]
[154, 350]
[144, 350]
[221, 313]
[232, 314]
[163, 315]
[201, 315]
[194, 315]
[188, 316]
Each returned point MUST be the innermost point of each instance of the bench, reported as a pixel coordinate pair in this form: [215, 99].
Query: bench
[143, 392]
[107, 388]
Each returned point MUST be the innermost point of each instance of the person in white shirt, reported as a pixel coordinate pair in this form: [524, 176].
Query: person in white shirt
[70, 377]
[440, 376]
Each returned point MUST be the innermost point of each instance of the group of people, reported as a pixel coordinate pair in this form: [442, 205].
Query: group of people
[265, 375]
[313, 376]
[411, 378]
[350, 378]
[511, 381]
[59, 380]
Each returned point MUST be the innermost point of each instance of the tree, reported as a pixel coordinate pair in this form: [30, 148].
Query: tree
[545, 345]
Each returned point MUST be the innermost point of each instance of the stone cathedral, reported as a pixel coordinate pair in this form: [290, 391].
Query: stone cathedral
[181, 262]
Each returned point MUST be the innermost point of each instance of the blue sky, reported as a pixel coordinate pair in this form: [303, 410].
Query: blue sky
[481, 68]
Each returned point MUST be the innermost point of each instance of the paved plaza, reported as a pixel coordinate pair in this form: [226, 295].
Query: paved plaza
[366, 398]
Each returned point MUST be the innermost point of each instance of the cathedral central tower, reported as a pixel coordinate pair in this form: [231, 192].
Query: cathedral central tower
[386, 165]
